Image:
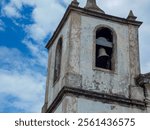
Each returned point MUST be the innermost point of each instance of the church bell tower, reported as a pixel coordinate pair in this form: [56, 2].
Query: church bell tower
[93, 63]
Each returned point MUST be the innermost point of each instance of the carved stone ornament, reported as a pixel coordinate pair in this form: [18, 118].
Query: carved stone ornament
[143, 79]
[91, 5]
[75, 3]
[131, 16]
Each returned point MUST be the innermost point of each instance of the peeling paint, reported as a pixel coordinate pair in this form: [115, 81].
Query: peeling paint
[78, 66]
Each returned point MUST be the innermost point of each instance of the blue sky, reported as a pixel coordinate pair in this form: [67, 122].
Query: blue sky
[25, 28]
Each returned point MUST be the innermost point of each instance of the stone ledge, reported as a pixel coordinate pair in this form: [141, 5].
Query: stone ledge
[88, 13]
[74, 80]
[137, 93]
[102, 97]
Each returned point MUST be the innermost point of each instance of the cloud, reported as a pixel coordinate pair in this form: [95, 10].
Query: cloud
[25, 74]
[7, 54]
[10, 11]
[13, 7]
[45, 19]
[13, 59]
[26, 88]
[19, 79]
[38, 51]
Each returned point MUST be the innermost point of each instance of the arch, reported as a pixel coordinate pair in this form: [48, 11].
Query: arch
[58, 55]
[105, 48]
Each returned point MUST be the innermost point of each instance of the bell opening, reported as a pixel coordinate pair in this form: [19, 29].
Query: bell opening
[104, 48]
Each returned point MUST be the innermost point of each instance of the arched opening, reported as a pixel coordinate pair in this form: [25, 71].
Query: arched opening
[104, 48]
[57, 67]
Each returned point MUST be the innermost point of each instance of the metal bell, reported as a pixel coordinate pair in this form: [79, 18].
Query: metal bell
[102, 52]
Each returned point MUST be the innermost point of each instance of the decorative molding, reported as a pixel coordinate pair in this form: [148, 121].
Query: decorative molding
[74, 80]
[102, 97]
[131, 16]
[143, 79]
[88, 13]
[91, 5]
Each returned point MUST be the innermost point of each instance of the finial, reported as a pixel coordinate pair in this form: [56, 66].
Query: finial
[91, 5]
[75, 3]
[131, 16]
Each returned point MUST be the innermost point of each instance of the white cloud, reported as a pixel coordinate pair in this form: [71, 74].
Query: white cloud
[27, 88]
[45, 18]
[38, 51]
[12, 58]
[27, 85]
[13, 8]
[20, 80]
[11, 11]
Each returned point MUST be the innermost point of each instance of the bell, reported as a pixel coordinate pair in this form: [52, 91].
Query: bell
[91, 5]
[102, 53]
[103, 59]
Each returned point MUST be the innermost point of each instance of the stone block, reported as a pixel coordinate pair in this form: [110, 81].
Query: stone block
[137, 93]
[72, 80]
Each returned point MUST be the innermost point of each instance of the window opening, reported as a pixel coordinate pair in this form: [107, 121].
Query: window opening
[104, 48]
[58, 60]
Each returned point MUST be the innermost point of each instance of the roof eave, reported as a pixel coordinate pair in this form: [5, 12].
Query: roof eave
[91, 13]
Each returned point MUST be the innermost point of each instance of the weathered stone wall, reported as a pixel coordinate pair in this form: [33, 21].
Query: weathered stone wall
[74, 44]
[72, 104]
[143, 80]
[134, 63]
[78, 70]
[53, 89]
[116, 82]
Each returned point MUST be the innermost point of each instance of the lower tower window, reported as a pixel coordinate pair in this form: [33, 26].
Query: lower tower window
[58, 54]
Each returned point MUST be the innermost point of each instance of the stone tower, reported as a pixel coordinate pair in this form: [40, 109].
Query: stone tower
[93, 63]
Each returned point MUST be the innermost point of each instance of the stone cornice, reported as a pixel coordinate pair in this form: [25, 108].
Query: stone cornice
[88, 13]
[102, 97]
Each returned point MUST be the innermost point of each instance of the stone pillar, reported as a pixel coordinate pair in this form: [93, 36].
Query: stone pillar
[74, 44]
[136, 92]
[143, 80]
